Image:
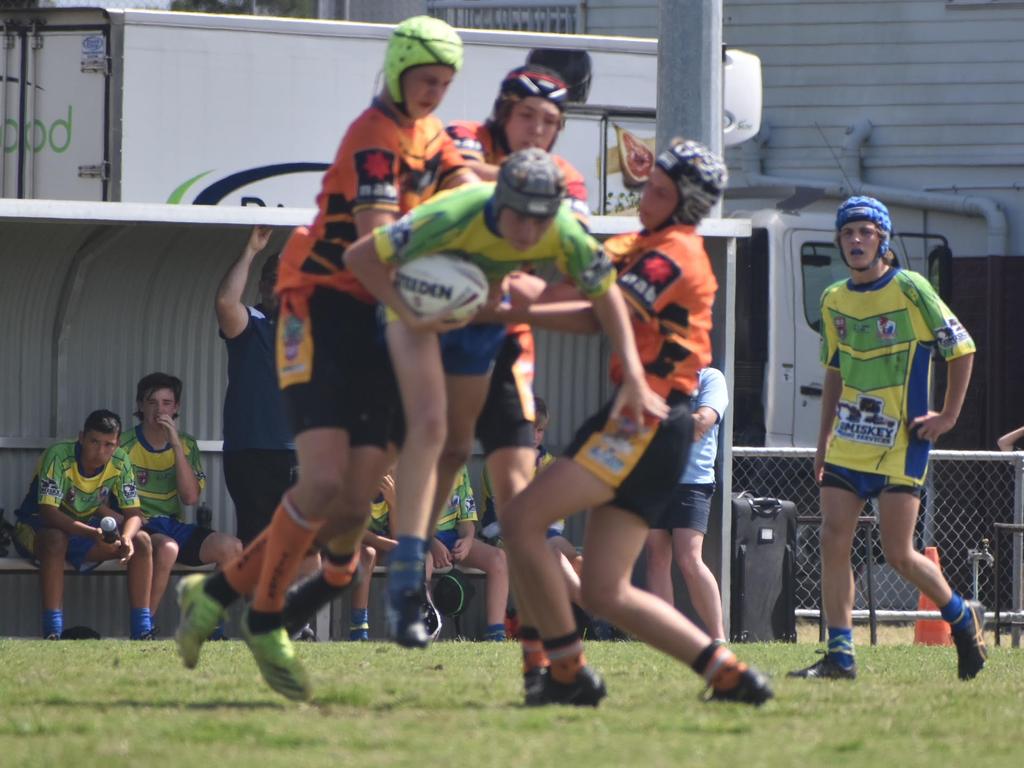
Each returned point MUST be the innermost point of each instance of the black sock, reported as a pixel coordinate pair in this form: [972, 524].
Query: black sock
[218, 587]
[306, 599]
[260, 623]
[704, 657]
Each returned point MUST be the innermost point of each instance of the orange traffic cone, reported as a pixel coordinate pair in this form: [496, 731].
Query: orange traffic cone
[931, 631]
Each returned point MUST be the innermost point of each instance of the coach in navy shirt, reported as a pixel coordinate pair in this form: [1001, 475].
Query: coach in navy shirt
[259, 452]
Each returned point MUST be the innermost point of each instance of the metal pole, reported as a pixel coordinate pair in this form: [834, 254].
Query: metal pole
[3, 105]
[1018, 545]
[690, 73]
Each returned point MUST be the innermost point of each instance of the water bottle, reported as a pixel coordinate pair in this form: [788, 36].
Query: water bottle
[108, 526]
[204, 516]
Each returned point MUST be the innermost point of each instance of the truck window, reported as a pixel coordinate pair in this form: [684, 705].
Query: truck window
[820, 266]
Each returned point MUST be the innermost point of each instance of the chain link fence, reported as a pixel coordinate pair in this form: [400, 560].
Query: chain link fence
[965, 495]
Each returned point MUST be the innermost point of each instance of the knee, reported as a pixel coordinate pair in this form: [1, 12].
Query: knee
[321, 487]
[690, 566]
[429, 426]
[165, 552]
[143, 544]
[456, 453]
[497, 564]
[899, 558]
[230, 547]
[50, 544]
[367, 555]
[659, 557]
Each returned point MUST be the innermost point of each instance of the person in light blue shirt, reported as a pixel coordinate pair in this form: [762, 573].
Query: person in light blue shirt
[684, 522]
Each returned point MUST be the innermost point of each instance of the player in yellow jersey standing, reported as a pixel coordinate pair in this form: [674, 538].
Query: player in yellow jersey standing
[879, 330]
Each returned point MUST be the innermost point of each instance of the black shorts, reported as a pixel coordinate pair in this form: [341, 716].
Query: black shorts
[644, 469]
[256, 481]
[507, 418]
[689, 507]
[334, 370]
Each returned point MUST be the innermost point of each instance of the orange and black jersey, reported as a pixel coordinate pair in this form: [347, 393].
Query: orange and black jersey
[381, 164]
[667, 281]
[476, 142]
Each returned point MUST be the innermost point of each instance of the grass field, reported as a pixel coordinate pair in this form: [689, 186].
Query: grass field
[114, 703]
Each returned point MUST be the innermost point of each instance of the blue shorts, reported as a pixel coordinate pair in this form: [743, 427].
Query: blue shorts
[689, 507]
[552, 532]
[471, 351]
[866, 485]
[189, 537]
[448, 538]
[78, 546]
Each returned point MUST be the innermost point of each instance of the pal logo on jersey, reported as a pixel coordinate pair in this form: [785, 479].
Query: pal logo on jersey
[886, 328]
[649, 277]
[840, 323]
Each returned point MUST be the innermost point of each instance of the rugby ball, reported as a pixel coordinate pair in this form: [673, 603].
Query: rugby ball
[438, 284]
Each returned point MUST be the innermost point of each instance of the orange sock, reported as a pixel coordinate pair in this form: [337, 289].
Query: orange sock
[534, 655]
[243, 572]
[289, 538]
[724, 670]
[567, 659]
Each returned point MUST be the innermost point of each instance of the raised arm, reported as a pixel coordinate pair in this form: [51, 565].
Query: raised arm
[232, 316]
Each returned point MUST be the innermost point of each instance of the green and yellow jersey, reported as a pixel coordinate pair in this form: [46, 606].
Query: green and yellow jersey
[463, 222]
[155, 473]
[60, 482]
[380, 514]
[461, 504]
[880, 337]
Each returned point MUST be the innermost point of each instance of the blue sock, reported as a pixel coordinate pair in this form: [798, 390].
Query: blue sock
[359, 628]
[53, 622]
[840, 646]
[956, 613]
[495, 632]
[142, 622]
[218, 633]
[405, 568]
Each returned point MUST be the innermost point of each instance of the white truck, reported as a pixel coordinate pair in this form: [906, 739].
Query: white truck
[141, 106]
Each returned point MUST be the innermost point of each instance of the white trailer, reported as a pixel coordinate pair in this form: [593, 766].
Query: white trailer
[141, 106]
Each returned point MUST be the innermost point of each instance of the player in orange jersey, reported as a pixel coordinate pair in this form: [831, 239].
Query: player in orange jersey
[625, 472]
[528, 113]
[333, 367]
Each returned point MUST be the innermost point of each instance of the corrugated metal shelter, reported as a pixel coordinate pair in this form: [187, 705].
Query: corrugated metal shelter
[95, 295]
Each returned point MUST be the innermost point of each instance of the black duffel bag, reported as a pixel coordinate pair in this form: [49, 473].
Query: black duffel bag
[763, 578]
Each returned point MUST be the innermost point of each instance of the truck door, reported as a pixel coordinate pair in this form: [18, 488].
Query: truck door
[820, 266]
[55, 111]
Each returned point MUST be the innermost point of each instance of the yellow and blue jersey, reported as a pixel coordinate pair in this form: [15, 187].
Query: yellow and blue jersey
[880, 337]
[461, 505]
[155, 472]
[463, 222]
[59, 482]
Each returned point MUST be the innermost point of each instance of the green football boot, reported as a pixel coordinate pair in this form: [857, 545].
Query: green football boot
[200, 616]
[275, 656]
